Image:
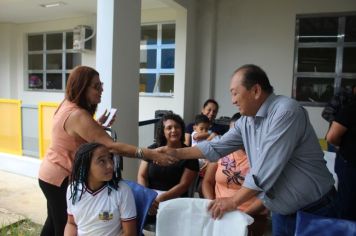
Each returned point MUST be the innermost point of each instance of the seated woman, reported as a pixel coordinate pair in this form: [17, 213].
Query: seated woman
[170, 181]
[99, 203]
[224, 178]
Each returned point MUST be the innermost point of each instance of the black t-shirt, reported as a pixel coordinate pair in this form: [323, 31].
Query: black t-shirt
[165, 177]
[347, 118]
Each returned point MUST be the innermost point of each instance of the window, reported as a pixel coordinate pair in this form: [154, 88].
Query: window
[157, 50]
[50, 58]
[325, 57]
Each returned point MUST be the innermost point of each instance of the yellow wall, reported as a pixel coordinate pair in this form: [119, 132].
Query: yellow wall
[45, 115]
[10, 128]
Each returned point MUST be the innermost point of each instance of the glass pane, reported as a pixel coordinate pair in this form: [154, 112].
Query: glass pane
[166, 83]
[148, 34]
[350, 29]
[54, 41]
[316, 59]
[72, 60]
[35, 42]
[54, 61]
[314, 89]
[348, 84]
[69, 40]
[168, 33]
[320, 29]
[54, 81]
[35, 81]
[349, 60]
[167, 59]
[148, 59]
[147, 82]
[35, 62]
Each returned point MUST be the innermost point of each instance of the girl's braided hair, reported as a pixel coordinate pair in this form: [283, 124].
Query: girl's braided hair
[81, 168]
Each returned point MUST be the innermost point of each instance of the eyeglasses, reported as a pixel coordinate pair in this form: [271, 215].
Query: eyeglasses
[98, 86]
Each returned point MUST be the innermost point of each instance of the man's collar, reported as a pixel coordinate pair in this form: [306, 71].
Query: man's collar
[262, 112]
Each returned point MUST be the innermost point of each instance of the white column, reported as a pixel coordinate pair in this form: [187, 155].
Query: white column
[117, 61]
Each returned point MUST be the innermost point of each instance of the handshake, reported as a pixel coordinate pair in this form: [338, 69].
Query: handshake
[165, 156]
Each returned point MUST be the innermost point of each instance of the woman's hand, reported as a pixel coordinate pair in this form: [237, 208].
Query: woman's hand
[154, 207]
[102, 119]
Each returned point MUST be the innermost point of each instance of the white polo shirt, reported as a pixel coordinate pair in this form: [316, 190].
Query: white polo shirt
[98, 213]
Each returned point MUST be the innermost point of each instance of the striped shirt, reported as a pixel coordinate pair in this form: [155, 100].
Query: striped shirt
[285, 157]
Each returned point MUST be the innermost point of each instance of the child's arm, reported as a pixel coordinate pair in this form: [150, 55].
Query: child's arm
[128, 228]
[201, 136]
[71, 227]
[211, 136]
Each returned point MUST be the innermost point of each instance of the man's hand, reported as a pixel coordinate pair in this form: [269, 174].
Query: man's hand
[162, 157]
[220, 206]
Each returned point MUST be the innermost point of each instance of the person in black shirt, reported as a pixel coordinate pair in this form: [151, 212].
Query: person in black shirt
[342, 134]
[169, 181]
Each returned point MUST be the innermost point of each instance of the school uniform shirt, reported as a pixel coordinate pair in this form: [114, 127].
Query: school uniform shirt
[98, 213]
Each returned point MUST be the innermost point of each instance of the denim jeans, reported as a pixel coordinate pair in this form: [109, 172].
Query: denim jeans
[284, 225]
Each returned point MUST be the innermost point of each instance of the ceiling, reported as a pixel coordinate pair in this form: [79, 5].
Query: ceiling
[26, 11]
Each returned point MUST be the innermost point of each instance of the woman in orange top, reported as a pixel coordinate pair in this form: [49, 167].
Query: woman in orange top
[225, 177]
[73, 125]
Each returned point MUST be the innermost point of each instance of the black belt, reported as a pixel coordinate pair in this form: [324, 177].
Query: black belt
[323, 201]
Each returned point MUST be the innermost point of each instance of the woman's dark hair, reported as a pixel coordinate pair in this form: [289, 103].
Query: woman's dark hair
[255, 75]
[81, 169]
[210, 100]
[77, 85]
[160, 138]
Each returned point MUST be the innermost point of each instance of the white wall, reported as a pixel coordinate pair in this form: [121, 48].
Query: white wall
[5, 39]
[262, 33]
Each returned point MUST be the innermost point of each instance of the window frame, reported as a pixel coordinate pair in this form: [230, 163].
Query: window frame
[64, 51]
[159, 70]
[339, 45]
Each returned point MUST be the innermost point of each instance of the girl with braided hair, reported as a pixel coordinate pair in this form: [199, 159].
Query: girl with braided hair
[99, 203]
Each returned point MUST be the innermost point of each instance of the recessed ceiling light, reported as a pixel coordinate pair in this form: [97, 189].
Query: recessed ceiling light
[53, 4]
